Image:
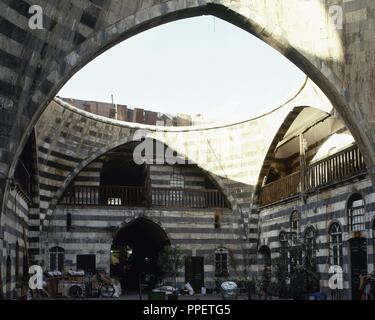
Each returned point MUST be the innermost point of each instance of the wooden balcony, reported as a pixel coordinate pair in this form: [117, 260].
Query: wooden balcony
[283, 188]
[341, 166]
[138, 197]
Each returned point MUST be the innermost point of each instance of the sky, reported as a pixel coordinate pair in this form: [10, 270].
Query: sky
[200, 65]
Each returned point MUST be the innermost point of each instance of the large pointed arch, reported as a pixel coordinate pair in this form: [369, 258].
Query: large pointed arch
[258, 19]
[95, 156]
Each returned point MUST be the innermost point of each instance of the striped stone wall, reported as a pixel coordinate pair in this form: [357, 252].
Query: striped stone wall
[35, 63]
[90, 176]
[15, 230]
[193, 178]
[92, 232]
[320, 211]
[71, 143]
[160, 175]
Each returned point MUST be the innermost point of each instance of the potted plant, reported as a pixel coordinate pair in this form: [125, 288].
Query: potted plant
[169, 263]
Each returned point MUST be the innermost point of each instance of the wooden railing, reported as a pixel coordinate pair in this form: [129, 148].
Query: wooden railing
[137, 197]
[188, 198]
[281, 189]
[338, 167]
[104, 196]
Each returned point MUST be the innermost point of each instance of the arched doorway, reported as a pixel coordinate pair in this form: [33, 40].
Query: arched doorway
[358, 259]
[265, 268]
[265, 257]
[135, 252]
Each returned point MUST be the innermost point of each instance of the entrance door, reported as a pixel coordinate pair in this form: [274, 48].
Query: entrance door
[87, 263]
[358, 249]
[194, 272]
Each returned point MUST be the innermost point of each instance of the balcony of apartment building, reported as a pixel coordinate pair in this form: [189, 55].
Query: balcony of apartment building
[314, 154]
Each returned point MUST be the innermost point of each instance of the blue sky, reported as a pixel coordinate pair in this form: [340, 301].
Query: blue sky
[199, 65]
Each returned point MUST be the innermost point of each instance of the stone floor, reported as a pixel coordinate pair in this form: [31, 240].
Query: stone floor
[135, 297]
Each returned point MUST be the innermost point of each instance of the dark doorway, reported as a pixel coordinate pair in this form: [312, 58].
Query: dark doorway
[194, 272]
[119, 169]
[25, 171]
[358, 250]
[135, 252]
[87, 263]
[123, 182]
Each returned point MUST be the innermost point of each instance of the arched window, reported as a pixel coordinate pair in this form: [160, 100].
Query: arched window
[309, 259]
[356, 213]
[310, 242]
[56, 259]
[335, 245]
[294, 226]
[221, 262]
[177, 182]
[177, 178]
[283, 238]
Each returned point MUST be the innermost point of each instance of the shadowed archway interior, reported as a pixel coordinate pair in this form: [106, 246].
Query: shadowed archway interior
[135, 252]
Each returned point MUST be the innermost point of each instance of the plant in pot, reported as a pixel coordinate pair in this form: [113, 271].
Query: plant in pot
[169, 263]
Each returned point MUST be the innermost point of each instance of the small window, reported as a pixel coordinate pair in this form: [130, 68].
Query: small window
[283, 238]
[221, 262]
[56, 259]
[310, 242]
[176, 197]
[356, 213]
[217, 220]
[177, 179]
[68, 221]
[335, 245]
[294, 226]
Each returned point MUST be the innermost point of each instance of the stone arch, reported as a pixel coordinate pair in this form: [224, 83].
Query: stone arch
[154, 221]
[138, 243]
[256, 18]
[331, 223]
[264, 260]
[310, 228]
[101, 152]
[280, 134]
